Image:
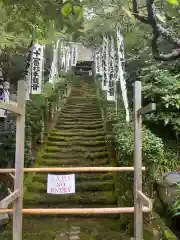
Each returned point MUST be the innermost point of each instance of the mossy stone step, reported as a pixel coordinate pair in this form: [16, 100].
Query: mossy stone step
[79, 126]
[103, 197]
[81, 99]
[75, 102]
[84, 109]
[75, 149]
[89, 106]
[79, 118]
[76, 138]
[78, 121]
[82, 133]
[69, 155]
[70, 143]
[82, 114]
[82, 103]
[39, 187]
[42, 177]
[73, 162]
[57, 228]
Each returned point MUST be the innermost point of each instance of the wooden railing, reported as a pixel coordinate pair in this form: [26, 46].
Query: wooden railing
[141, 202]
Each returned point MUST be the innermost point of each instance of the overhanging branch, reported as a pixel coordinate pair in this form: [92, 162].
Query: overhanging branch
[136, 13]
[158, 30]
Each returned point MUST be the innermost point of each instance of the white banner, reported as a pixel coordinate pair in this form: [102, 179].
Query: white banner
[54, 66]
[101, 61]
[62, 56]
[105, 64]
[111, 94]
[120, 76]
[98, 62]
[68, 56]
[61, 184]
[28, 75]
[4, 94]
[121, 59]
[37, 69]
[74, 52]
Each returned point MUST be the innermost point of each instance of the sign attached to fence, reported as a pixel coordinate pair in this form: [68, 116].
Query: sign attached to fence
[61, 184]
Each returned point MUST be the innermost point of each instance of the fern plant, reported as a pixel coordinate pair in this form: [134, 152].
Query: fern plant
[174, 209]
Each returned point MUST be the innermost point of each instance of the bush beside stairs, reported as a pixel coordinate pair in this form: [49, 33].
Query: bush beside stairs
[78, 139]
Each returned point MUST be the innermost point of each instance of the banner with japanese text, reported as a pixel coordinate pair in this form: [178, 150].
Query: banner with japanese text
[36, 69]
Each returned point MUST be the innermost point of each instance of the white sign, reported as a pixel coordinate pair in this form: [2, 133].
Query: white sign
[37, 69]
[61, 184]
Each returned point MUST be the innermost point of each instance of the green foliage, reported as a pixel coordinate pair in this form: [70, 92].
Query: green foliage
[7, 141]
[156, 157]
[162, 87]
[174, 209]
[38, 110]
[174, 2]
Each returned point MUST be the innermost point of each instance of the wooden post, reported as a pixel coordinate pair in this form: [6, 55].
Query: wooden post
[19, 162]
[138, 217]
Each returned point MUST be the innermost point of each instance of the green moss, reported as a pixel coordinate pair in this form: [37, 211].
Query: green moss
[74, 161]
[169, 235]
[69, 133]
[70, 155]
[80, 186]
[74, 143]
[107, 197]
[150, 233]
[79, 177]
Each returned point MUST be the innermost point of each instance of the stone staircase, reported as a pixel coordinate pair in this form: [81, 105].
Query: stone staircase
[78, 139]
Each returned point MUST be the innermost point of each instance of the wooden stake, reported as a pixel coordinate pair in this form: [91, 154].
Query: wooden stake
[138, 221]
[145, 200]
[9, 199]
[19, 162]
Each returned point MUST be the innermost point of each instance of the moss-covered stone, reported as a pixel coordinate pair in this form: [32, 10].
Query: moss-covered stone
[107, 197]
[151, 233]
[84, 177]
[72, 162]
[80, 186]
[73, 143]
[76, 138]
[71, 133]
[70, 155]
[169, 235]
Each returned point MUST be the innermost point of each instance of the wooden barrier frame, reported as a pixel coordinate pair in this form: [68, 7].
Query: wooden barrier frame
[16, 197]
[139, 197]
[140, 200]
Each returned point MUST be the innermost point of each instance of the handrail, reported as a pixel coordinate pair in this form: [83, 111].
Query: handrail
[73, 169]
